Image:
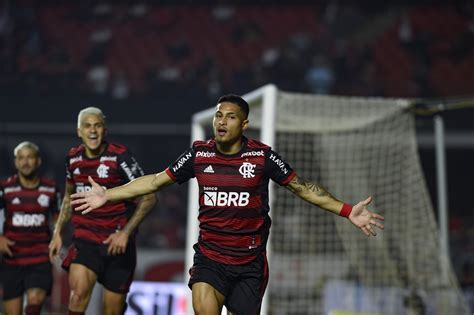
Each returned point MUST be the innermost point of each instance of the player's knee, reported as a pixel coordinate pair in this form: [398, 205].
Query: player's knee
[114, 309]
[79, 297]
[202, 308]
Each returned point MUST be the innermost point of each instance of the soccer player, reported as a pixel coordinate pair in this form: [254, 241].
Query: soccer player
[233, 172]
[103, 248]
[29, 202]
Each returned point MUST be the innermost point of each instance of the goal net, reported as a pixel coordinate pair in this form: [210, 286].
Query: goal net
[320, 263]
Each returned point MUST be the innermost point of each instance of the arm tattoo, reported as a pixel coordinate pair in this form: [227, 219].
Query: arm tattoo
[300, 185]
[64, 215]
[296, 185]
[318, 190]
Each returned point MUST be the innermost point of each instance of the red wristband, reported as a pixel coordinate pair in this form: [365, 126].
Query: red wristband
[346, 210]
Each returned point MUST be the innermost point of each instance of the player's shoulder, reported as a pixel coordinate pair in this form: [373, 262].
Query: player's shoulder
[116, 148]
[253, 144]
[77, 150]
[9, 181]
[202, 145]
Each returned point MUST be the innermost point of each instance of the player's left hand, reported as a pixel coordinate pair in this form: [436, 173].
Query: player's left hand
[365, 219]
[117, 243]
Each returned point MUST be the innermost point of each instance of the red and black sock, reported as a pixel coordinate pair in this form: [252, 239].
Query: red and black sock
[33, 309]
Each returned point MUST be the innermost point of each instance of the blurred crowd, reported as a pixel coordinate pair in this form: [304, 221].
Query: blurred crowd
[139, 51]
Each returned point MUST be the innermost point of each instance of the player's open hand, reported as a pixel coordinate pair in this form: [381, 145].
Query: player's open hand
[364, 219]
[5, 244]
[117, 243]
[89, 200]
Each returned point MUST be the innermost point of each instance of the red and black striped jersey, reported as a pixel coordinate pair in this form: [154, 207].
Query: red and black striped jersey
[114, 167]
[28, 213]
[233, 196]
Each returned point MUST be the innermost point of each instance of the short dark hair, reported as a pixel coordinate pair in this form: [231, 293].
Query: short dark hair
[237, 100]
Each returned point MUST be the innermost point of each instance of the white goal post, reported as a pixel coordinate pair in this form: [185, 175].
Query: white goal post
[319, 263]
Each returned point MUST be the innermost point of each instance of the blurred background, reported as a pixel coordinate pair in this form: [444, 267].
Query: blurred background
[151, 64]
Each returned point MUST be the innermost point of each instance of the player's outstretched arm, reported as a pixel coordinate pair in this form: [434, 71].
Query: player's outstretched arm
[97, 196]
[359, 215]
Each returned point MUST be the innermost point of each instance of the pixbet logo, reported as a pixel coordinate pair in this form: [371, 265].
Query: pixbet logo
[223, 199]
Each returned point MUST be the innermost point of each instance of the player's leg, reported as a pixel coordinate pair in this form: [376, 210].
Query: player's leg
[206, 299]
[13, 288]
[116, 279]
[81, 284]
[13, 306]
[84, 261]
[246, 295]
[35, 299]
[113, 303]
[38, 283]
[209, 282]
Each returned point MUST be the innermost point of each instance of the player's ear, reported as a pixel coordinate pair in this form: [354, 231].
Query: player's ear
[245, 124]
[39, 161]
[78, 131]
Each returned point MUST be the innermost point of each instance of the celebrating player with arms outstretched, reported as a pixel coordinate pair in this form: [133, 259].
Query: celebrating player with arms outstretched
[233, 173]
[103, 246]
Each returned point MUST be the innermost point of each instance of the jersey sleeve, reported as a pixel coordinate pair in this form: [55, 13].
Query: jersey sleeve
[182, 169]
[68, 171]
[278, 169]
[129, 167]
[2, 200]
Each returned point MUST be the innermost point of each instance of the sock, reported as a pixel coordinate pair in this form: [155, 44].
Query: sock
[33, 309]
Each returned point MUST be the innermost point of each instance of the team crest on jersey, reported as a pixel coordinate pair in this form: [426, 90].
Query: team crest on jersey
[103, 171]
[247, 170]
[77, 171]
[43, 200]
[16, 201]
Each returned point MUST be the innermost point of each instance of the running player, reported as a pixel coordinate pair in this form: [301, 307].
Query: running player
[233, 172]
[29, 202]
[103, 248]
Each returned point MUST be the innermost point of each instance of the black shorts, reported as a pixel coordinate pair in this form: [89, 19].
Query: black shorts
[115, 273]
[17, 280]
[242, 285]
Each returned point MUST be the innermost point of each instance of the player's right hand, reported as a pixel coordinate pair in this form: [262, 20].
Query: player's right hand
[5, 244]
[55, 247]
[89, 200]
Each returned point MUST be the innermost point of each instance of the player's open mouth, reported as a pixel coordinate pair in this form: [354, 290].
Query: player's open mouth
[94, 139]
[221, 132]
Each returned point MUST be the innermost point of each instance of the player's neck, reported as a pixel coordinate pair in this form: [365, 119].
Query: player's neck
[230, 148]
[29, 182]
[92, 154]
